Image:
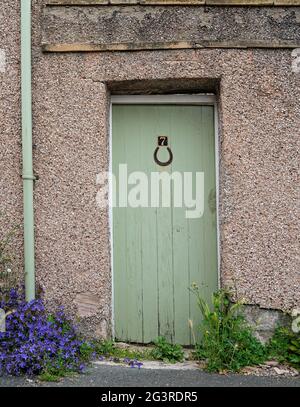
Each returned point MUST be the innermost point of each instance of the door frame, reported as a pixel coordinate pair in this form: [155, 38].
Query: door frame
[176, 99]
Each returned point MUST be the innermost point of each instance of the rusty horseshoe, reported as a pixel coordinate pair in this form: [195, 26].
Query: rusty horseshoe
[163, 164]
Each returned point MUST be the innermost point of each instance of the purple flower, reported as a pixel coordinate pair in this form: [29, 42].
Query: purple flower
[34, 340]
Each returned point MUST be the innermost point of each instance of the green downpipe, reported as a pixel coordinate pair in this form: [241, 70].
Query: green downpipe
[28, 176]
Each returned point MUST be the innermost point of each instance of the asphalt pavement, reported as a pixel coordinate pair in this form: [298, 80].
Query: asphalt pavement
[120, 376]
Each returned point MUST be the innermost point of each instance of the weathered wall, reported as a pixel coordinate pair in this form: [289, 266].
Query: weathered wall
[135, 26]
[10, 135]
[72, 235]
[259, 142]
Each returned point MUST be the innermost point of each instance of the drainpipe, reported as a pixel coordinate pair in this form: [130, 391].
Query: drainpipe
[28, 176]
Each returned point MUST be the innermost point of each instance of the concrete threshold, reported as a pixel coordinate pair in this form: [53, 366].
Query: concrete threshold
[154, 365]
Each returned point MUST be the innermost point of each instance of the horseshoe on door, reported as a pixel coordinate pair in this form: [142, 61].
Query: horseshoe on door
[163, 142]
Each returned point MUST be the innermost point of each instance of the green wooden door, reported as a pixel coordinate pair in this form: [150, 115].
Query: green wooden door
[157, 251]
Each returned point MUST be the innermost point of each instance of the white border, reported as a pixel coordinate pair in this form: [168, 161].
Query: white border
[178, 99]
[207, 99]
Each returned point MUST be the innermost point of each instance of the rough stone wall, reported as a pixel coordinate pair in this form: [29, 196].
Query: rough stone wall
[201, 26]
[258, 97]
[264, 321]
[11, 203]
[72, 235]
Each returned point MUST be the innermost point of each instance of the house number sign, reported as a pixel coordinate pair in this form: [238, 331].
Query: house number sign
[163, 142]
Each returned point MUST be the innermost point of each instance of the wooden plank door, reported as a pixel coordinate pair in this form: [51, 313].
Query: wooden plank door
[157, 251]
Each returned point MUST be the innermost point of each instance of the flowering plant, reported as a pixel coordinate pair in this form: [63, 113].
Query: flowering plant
[35, 342]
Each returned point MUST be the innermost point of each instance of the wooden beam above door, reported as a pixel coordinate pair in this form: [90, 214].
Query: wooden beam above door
[175, 2]
[118, 47]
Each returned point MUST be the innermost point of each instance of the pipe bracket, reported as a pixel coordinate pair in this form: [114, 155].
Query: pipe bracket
[29, 177]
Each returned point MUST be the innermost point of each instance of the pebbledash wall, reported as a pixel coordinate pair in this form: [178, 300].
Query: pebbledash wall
[84, 51]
